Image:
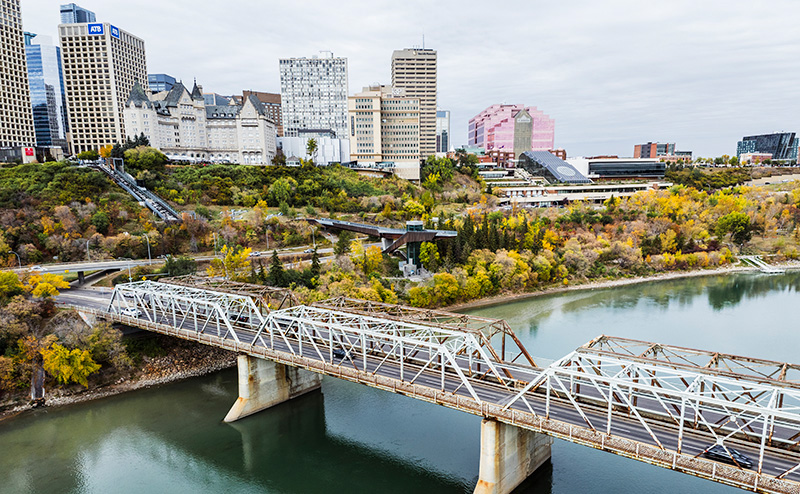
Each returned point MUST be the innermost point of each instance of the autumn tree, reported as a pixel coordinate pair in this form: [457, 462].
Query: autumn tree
[68, 366]
[429, 256]
[232, 261]
[738, 225]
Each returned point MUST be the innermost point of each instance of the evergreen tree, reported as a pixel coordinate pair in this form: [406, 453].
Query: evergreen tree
[276, 274]
[315, 268]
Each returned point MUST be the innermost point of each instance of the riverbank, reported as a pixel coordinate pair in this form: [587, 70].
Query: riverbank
[593, 285]
[182, 363]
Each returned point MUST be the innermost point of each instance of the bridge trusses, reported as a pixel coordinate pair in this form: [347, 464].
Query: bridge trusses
[267, 297]
[413, 349]
[204, 311]
[725, 407]
[486, 330]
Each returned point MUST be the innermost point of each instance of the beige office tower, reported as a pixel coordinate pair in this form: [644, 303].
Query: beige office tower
[415, 71]
[16, 117]
[101, 65]
[384, 129]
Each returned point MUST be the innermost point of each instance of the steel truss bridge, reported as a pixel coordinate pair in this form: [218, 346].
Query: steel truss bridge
[654, 403]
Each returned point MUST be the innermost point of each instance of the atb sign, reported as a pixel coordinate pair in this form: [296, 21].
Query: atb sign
[96, 29]
[114, 31]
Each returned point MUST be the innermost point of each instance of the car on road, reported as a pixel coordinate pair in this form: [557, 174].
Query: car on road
[131, 312]
[340, 353]
[37, 268]
[308, 251]
[731, 456]
[255, 253]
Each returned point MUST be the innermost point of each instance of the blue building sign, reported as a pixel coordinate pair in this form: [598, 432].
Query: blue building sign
[114, 31]
[96, 29]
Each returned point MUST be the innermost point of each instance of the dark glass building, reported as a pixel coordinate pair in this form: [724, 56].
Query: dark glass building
[48, 97]
[160, 82]
[73, 14]
[782, 146]
[552, 168]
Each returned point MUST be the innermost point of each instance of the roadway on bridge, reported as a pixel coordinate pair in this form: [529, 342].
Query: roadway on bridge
[776, 461]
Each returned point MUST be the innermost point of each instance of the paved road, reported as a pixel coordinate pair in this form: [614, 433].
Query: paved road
[74, 267]
[694, 442]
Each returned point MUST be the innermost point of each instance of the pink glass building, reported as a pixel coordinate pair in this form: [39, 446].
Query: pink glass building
[514, 128]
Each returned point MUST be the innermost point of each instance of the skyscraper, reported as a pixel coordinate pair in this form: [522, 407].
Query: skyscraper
[314, 94]
[415, 71]
[442, 131]
[48, 97]
[73, 14]
[101, 65]
[16, 121]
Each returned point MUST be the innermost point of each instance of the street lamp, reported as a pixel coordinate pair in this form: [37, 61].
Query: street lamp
[128, 259]
[314, 238]
[149, 259]
[88, 259]
[18, 259]
[215, 243]
[266, 235]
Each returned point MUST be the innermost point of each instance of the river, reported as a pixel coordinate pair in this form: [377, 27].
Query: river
[350, 438]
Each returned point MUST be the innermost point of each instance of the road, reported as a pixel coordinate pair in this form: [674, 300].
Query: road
[776, 460]
[122, 264]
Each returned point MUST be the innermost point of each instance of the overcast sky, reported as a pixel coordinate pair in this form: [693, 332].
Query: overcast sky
[612, 73]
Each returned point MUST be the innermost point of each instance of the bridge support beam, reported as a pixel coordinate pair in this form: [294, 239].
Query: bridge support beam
[264, 383]
[509, 455]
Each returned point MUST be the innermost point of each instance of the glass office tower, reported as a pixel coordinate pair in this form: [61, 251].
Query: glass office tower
[48, 98]
[74, 14]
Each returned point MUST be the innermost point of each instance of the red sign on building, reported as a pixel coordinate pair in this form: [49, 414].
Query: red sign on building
[29, 152]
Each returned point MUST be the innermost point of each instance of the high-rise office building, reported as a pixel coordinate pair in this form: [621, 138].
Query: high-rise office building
[415, 71]
[314, 94]
[48, 97]
[73, 14]
[514, 128]
[442, 131]
[160, 82]
[16, 120]
[384, 126]
[101, 65]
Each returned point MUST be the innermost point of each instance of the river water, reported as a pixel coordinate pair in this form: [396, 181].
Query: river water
[350, 438]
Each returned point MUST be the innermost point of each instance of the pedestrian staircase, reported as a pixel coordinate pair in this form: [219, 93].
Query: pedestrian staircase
[758, 262]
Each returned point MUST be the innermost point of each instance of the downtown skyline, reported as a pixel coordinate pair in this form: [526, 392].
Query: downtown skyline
[611, 75]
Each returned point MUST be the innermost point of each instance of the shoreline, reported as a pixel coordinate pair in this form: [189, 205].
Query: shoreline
[157, 377]
[592, 285]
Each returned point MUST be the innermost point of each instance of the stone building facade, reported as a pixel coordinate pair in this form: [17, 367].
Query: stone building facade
[182, 126]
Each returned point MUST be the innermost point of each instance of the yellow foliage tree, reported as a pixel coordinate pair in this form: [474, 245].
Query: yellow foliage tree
[44, 285]
[105, 151]
[373, 257]
[68, 366]
[230, 263]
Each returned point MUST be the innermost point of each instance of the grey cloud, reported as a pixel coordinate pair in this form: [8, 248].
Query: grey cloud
[611, 73]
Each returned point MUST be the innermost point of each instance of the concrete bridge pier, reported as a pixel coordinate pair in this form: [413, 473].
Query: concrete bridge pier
[509, 455]
[264, 383]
